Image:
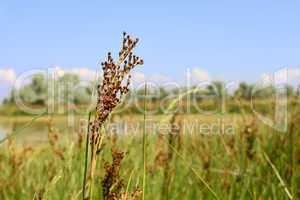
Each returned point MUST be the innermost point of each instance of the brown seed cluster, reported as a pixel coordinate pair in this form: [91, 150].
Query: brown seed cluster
[116, 80]
[135, 194]
[112, 183]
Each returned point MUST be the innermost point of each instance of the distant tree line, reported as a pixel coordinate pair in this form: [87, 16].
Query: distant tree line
[68, 88]
[40, 90]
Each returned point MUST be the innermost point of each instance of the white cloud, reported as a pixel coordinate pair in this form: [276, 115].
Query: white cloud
[266, 79]
[198, 74]
[139, 77]
[83, 72]
[284, 75]
[294, 73]
[7, 76]
[59, 71]
[159, 78]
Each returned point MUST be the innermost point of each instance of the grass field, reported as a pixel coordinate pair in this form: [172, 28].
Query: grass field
[255, 162]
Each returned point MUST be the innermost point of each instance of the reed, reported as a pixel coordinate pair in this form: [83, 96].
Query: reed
[115, 84]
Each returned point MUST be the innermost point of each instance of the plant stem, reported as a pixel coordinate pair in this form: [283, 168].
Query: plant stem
[144, 144]
[86, 156]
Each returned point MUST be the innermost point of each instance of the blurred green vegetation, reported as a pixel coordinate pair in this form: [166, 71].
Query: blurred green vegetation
[69, 94]
[234, 166]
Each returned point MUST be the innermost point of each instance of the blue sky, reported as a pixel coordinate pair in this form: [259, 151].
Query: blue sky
[231, 40]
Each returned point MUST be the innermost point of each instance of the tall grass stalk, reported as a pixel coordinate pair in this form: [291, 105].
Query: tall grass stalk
[144, 143]
[86, 156]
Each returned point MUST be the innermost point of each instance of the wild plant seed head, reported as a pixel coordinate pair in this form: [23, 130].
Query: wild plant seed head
[116, 80]
[112, 177]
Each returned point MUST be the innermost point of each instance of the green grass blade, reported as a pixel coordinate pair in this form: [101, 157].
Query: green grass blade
[86, 156]
[278, 175]
[144, 144]
[129, 182]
